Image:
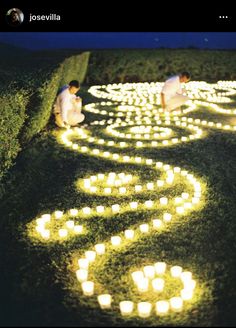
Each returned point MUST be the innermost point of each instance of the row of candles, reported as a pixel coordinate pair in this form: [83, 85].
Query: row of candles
[136, 92]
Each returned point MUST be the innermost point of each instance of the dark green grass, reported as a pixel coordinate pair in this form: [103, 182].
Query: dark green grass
[38, 285]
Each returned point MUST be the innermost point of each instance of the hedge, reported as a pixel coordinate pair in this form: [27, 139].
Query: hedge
[115, 66]
[26, 100]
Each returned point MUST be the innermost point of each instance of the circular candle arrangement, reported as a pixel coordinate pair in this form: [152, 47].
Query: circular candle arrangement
[135, 121]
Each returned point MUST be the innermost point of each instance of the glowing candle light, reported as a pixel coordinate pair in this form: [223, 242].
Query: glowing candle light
[88, 288]
[138, 188]
[100, 249]
[185, 195]
[129, 234]
[93, 178]
[138, 159]
[90, 256]
[78, 229]
[115, 240]
[83, 263]
[158, 284]
[58, 214]
[144, 227]
[46, 217]
[122, 190]
[180, 210]
[186, 276]
[73, 212]
[63, 233]
[137, 276]
[160, 183]
[162, 307]
[70, 224]
[100, 209]
[115, 208]
[142, 285]
[149, 161]
[167, 217]
[86, 210]
[149, 271]
[87, 183]
[150, 186]
[186, 294]
[104, 301]
[163, 201]
[176, 271]
[93, 189]
[45, 234]
[160, 267]
[149, 203]
[157, 223]
[133, 205]
[82, 275]
[189, 284]
[107, 190]
[101, 176]
[126, 307]
[144, 309]
[178, 200]
[176, 303]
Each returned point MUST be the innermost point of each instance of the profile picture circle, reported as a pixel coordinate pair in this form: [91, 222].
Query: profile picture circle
[14, 17]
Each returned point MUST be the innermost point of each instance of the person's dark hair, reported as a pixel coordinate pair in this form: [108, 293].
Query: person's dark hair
[74, 83]
[186, 74]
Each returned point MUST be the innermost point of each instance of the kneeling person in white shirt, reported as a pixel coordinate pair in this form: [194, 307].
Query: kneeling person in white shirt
[67, 108]
[172, 95]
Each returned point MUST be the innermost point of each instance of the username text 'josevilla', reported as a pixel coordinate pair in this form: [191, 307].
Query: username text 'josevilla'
[51, 17]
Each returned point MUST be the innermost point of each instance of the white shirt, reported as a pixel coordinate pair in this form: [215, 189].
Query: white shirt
[65, 101]
[172, 87]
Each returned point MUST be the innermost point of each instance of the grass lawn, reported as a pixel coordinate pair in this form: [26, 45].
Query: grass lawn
[39, 285]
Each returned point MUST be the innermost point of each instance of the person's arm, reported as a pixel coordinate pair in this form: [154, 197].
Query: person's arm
[163, 103]
[65, 103]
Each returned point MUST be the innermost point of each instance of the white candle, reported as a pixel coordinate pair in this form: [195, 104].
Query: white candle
[149, 203]
[144, 309]
[82, 275]
[186, 276]
[167, 217]
[46, 217]
[115, 208]
[100, 176]
[90, 255]
[126, 307]
[189, 284]
[115, 240]
[133, 205]
[186, 294]
[150, 186]
[58, 214]
[137, 275]
[180, 210]
[160, 183]
[149, 271]
[157, 223]
[70, 224]
[100, 209]
[45, 234]
[163, 201]
[158, 284]
[143, 285]
[105, 301]
[176, 271]
[144, 228]
[122, 190]
[138, 188]
[176, 303]
[86, 210]
[88, 287]
[107, 190]
[100, 249]
[73, 212]
[83, 263]
[160, 267]
[63, 233]
[129, 234]
[78, 229]
[162, 307]
[185, 195]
